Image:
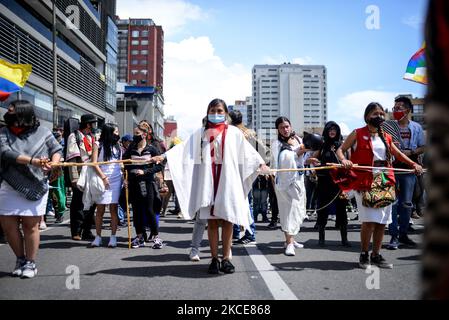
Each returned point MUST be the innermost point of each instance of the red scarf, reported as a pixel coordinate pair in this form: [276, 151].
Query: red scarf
[215, 131]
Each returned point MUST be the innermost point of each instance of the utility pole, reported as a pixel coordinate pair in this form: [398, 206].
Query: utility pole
[55, 68]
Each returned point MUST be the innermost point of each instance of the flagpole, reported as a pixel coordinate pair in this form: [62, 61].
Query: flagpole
[55, 68]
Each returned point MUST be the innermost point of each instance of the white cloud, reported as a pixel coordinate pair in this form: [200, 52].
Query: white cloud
[344, 128]
[172, 15]
[350, 108]
[415, 22]
[280, 59]
[193, 76]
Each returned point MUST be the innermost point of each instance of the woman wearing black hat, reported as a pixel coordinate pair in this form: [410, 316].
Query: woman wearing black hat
[329, 195]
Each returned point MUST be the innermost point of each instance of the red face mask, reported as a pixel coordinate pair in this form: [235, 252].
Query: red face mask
[17, 130]
[399, 115]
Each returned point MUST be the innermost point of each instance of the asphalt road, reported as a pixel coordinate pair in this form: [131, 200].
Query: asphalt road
[263, 272]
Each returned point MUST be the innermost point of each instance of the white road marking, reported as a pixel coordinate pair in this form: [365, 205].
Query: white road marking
[278, 288]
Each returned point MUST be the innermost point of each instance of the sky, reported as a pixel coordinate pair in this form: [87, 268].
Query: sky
[211, 47]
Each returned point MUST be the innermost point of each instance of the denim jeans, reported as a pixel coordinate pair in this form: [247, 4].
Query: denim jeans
[252, 226]
[405, 184]
[260, 203]
[198, 231]
[121, 214]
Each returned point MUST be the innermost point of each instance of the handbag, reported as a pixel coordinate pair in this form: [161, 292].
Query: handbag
[381, 193]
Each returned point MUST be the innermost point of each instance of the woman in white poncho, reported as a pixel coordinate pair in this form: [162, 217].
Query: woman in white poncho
[212, 172]
[287, 152]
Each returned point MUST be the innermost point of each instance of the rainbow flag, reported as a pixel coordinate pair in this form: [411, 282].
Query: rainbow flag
[12, 78]
[416, 68]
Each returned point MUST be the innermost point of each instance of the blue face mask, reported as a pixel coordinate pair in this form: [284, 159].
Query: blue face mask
[216, 118]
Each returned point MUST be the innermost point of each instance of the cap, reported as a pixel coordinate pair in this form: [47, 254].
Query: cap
[88, 118]
[127, 137]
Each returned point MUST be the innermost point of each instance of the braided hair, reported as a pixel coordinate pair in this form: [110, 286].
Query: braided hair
[370, 108]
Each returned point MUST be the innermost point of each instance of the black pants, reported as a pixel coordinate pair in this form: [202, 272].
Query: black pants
[340, 210]
[80, 221]
[311, 194]
[143, 208]
[273, 202]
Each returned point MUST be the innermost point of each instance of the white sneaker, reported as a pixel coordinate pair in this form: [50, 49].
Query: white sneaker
[296, 244]
[50, 214]
[112, 242]
[29, 270]
[193, 256]
[42, 225]
[96, 242]
[18, 268]
[290, 250]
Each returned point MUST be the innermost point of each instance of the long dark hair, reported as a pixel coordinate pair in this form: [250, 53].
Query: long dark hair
[106, 140]
[212, 104]
[24, 111]
[277, 123]
[370, 108]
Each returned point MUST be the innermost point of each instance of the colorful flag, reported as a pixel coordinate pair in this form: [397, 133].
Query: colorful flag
[416, 68]
[12, 78]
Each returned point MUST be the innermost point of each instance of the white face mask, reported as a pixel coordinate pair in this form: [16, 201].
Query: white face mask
[216, 118]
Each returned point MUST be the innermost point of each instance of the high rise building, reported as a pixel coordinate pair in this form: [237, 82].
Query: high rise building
[86, 44]
[295, 91]
[140, 53]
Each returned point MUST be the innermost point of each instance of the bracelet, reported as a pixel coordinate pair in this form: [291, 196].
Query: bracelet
[104, 178]
[31, 161]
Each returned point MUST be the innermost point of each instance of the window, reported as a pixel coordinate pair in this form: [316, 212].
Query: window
[145, 72]
[145, 33]
[134, 81]
[134, 52]
[143, 62]
[135, 34]
[144, 52]
[134, 62]
[135, 42]
[134, 72]
[144, 42]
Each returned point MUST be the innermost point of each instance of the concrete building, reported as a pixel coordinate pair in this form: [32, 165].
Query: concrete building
[86, 47]
[140, 74]
[141, 53]
[295, 91]
[135, 104]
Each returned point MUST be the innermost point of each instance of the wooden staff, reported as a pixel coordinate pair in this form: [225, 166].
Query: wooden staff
[127, 209]
[92, 164]
[355, 167]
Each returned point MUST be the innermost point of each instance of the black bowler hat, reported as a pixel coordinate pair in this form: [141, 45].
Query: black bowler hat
[88, 118]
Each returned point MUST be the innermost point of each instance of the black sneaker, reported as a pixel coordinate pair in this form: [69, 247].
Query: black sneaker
[405, 240]
[88, 236]
[272, 225]
[364, 260]
[214, 267]
[227, 266]
[245, 240]
[59, 220]
[380, 262]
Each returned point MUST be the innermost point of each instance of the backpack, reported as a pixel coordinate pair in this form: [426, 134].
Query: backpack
[70, 126]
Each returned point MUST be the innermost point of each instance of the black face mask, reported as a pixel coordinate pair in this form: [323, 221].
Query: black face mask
[137, 138]
[376, 121]
[10, 119]
[115, 138]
